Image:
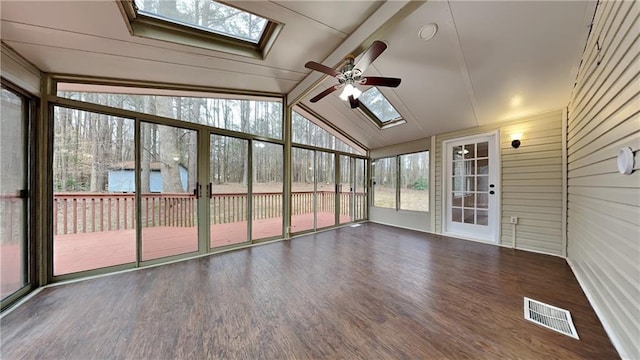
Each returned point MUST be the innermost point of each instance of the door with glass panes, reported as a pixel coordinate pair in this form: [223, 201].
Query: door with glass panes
[471, 180]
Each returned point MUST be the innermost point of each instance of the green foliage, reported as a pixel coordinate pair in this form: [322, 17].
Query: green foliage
[420, 184]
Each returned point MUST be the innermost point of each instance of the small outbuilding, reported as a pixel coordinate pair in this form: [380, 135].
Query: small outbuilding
[122, 180]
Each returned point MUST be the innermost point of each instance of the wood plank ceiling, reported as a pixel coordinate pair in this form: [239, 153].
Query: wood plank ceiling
[485, 56]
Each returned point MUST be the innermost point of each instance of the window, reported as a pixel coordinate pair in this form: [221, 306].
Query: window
[377, 108]
[404, 177]
[14, 201]
[261, 116]
[268, 190]
[414, 181]
[93, 183]
[384, 185]
[304, 131]
[207, 24]
[207, 15]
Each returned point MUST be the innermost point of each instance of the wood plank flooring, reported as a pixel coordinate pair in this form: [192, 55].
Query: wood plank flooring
[368, 292]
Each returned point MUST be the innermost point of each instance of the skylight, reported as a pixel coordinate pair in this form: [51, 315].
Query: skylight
[379, 106]
[207, 15]
[378, 109]
[202, 23]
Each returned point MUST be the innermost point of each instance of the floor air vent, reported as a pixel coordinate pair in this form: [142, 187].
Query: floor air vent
[550, 317]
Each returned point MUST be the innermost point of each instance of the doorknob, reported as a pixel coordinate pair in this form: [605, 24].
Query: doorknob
[492, 192]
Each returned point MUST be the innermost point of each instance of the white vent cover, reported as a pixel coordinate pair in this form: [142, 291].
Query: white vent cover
[550, 317]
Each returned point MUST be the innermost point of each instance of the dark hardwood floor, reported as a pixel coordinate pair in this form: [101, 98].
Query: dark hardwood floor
[368, 292]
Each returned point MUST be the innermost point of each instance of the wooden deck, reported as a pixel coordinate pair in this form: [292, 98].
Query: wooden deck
[369, 292]
[88, 251]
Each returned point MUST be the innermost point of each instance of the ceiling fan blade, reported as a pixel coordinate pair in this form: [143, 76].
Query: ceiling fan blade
[325, 93]
[370, 55]
[380, 81]
[322, 68]
[353, 102]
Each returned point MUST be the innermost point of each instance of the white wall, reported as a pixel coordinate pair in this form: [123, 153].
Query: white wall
[603, 230]
[20, 72]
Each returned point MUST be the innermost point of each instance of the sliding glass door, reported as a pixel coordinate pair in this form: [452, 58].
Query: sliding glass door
[303, 186]
[94, 222]
[228, 191]
[345, 189]
[267, 190]
[360, 190]
[325, 189]
[169, 191]
[14, 247]
[317, 201]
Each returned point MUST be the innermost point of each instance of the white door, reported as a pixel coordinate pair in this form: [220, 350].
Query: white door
[471, 187]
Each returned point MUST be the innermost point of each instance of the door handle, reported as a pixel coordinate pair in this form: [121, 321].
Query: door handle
[197, 191]
[492, 192]
[210, 188]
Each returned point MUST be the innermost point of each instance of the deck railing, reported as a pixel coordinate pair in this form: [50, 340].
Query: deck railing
[84, 213]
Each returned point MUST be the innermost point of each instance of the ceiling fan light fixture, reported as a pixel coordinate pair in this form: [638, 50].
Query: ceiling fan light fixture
[350, 90]
[428, 31]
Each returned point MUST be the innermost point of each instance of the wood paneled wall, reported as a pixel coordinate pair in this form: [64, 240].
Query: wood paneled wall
[603, 230]
[531, 181]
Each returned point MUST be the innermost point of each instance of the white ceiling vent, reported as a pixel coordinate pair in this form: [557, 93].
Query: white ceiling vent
[550, 317]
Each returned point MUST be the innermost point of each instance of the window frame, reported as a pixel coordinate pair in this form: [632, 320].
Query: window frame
[155, 27]
[142, 89]
[374, 119]
[398, 174]
[400, 168]
[30, 112]
[396, 163]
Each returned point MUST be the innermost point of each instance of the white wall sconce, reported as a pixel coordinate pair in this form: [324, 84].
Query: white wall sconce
[625, 161]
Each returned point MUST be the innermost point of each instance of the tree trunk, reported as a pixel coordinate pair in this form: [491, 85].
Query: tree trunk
[146, 154]
[170, 156]
[245, 111]
[170, 160]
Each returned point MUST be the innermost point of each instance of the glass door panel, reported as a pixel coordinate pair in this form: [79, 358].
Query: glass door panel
[168, 179]
[267, 186]
[414, 182]
[13, 200]
[228, 191]
[472, 182]
[302, 190]
[345, 190]
[326, 189]
[94, 222]
[360, 191]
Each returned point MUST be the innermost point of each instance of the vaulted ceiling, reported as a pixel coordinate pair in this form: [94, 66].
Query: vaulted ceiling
[488, 62]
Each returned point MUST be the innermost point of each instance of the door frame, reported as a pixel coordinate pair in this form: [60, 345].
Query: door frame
[495, 173]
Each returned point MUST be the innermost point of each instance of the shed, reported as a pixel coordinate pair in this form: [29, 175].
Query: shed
[121, 177]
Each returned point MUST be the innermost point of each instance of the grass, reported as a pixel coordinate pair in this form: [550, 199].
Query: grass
[416, 200]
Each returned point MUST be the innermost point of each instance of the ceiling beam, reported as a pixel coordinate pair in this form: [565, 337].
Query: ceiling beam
[379, 23]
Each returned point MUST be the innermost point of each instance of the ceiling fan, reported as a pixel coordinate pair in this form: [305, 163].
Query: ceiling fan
[351, 74]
